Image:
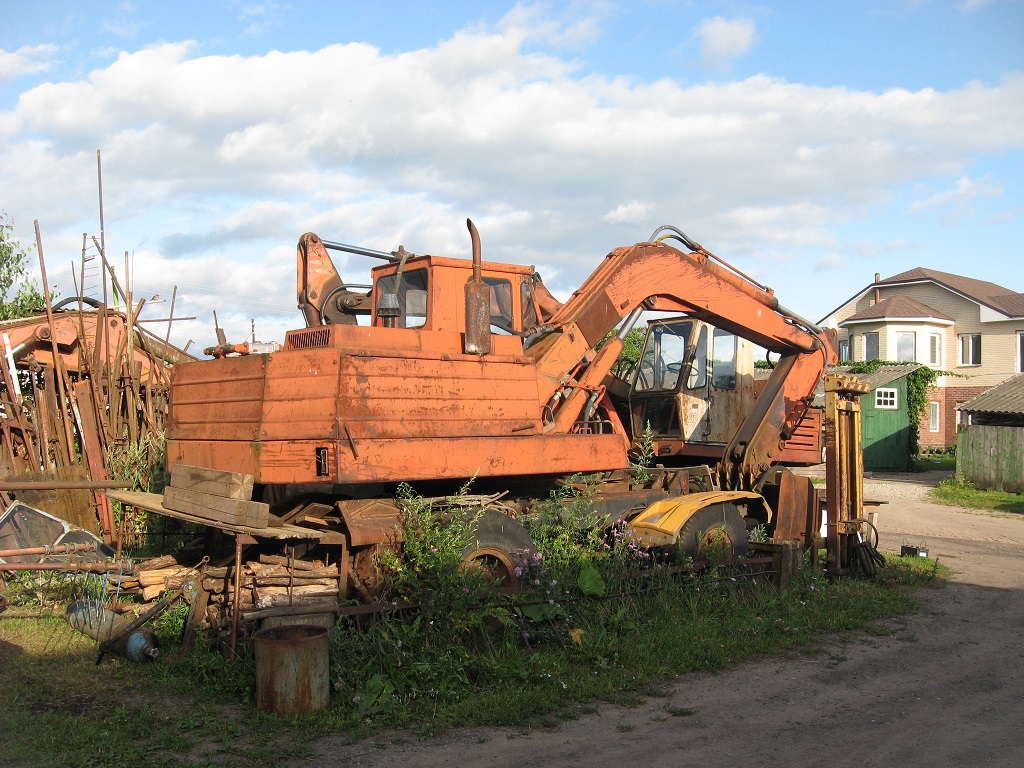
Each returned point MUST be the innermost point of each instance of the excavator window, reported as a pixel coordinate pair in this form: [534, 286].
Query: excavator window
[501, 303]
[698, 375]
[723, 360]
[412, 296]
[530, 319]
[663, 357]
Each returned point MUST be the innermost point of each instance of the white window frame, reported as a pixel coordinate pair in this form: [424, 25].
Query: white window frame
[935, 350]
[844, 351]
[969, 337]
[934, 415]
[887, 399]
[913, 346]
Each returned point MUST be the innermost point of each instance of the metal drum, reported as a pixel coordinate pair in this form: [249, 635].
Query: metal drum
[292, 671]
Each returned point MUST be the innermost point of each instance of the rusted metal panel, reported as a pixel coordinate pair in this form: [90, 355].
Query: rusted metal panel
[385, 460]
[386, 398]
[217, 399]
[370, 521]
[301, 395]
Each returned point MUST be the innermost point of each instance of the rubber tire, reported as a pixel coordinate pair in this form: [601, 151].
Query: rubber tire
[86, 300]
[723, 515]
[499, 533]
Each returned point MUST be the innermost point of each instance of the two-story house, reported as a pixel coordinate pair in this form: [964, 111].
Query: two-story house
[968, 327]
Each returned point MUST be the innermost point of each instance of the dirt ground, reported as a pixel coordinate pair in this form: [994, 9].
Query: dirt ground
[944, 689]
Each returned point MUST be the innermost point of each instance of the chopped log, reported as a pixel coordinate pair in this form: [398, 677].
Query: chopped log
[160, 576]
[282, 581]
[299, 565]
[265, 600]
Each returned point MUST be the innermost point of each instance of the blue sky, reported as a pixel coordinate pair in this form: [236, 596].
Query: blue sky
[812, 144]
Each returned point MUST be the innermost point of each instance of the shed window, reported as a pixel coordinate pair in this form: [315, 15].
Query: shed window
[886, 399]
[970, 349]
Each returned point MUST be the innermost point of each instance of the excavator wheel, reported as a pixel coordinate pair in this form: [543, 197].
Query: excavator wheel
[714, 533]
[497, 543]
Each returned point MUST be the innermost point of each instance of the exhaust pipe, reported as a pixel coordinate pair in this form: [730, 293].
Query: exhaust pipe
[478, 304]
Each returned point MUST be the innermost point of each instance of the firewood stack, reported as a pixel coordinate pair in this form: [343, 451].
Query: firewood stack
[272, 581]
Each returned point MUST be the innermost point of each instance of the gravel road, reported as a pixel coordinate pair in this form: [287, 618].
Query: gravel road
[943, 690]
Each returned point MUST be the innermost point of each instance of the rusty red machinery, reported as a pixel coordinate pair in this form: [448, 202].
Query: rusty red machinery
[452, 369]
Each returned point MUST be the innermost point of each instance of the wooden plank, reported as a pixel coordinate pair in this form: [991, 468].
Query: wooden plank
[230, 485]
[154, 502]
[236, 511]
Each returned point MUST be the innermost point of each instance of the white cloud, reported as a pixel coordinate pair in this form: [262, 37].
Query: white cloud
[722, 41]
[957, 201]
[27, 60]
[221, 160]
[632, 212]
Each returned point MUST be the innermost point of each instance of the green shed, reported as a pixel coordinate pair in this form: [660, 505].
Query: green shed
[885, 418]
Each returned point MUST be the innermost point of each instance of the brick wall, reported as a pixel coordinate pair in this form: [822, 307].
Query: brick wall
[948, 399]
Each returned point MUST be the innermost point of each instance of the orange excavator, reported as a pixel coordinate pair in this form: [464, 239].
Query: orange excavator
[451, 369]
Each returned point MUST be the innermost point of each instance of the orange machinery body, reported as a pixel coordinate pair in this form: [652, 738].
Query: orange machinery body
[357, 404]
[370, 404]
[348, 404]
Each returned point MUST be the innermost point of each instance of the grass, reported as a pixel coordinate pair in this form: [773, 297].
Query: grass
[960, 493]
[931, 461]
[63, 709]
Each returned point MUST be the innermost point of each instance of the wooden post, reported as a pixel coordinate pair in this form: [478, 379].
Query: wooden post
[844, 469]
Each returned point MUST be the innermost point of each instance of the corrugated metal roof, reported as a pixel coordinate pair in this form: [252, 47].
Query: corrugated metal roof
[880, 377]
[1007, 397]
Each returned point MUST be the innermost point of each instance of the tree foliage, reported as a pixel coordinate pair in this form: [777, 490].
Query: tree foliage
[19, 296]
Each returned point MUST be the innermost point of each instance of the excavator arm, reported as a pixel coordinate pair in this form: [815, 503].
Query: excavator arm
[656, 276]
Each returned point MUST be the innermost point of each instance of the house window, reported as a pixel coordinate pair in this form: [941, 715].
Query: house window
[844, 350]
[933, 416]
[1020, 352]
[886, 399]
[871, 346]
[935, 350]
[970, 349]
[906, 343]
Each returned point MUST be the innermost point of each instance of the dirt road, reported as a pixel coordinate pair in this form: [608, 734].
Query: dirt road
[944, 690]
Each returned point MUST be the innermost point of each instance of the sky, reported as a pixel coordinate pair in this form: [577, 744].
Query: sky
[809, 144]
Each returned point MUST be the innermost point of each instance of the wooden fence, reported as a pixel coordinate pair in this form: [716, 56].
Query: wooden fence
[991, 458]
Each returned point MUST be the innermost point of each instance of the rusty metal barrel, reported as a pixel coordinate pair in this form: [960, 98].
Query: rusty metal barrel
[292, 671]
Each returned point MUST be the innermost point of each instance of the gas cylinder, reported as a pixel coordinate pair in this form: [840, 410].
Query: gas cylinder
[100, 623]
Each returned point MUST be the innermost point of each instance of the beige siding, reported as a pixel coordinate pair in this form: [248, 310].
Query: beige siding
[999, 353]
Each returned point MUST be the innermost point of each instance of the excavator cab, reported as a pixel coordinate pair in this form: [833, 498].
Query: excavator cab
[417, 291]
[428, 294]
[690, 389]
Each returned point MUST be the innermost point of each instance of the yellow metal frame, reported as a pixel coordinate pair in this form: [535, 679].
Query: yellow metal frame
[660, 523]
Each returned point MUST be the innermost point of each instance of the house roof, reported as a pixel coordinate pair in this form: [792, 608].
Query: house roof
[898, 307]
[1007, 397]
[880, 377]
[995, 296]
